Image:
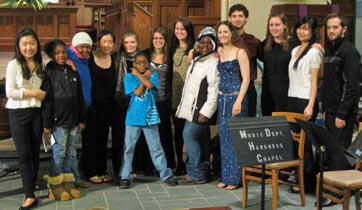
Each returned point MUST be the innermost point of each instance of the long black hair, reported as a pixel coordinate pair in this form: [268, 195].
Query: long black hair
[37, 57]
[312, 24]
[189, 27]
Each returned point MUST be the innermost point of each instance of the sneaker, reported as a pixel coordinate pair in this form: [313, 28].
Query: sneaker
[125, 183]
[170, 181]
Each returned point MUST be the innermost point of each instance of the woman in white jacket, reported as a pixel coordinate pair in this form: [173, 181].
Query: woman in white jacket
[198, 105]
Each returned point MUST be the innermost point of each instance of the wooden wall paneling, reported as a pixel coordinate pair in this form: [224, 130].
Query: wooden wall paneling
[168, 13]
[144, 15]
[64, 24]
[7, 26]
[213, 7]
[201, 22]
[48, 23]
[23, 21]
[195, 8]
[141, 22]
[113, 18]
[44, 26]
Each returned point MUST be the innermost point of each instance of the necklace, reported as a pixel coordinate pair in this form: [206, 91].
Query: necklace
[178, 65]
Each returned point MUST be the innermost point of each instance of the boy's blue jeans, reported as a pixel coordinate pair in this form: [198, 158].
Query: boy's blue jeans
[154, 145]
[64, 158]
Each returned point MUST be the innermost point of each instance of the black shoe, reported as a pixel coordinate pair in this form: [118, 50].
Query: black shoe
[170, 181]
[125, 183]
[117, 182]
[325, 203]
[32, 205]
[191, 182]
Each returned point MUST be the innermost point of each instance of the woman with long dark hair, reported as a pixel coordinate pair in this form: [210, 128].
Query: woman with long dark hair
[24, 75]
[182, 41]
[302, 93]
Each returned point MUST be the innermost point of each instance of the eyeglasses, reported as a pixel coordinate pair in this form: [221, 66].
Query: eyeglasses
[141, 63]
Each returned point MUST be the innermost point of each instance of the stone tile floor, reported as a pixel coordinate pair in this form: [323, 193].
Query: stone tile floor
[148, 193]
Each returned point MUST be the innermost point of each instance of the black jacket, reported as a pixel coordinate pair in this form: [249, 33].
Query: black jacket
[340, 92]
[276, 62]
[64, 104]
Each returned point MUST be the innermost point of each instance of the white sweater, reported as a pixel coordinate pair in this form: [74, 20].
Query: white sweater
[16, 84]
[299, 78]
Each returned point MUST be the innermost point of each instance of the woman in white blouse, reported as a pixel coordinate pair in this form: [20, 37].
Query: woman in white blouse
[306, 60]
[23, 80]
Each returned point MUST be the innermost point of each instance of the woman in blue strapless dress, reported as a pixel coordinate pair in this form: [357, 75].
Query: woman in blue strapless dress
[234, 73]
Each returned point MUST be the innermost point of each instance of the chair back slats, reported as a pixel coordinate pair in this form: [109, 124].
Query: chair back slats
[297, 137]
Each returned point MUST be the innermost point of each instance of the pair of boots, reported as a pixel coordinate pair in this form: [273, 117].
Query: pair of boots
[61, 187]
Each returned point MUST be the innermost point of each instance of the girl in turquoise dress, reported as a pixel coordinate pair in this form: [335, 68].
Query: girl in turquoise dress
[234, 72]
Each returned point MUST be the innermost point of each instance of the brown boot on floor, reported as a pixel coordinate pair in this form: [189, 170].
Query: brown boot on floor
[56, 190]
[69, 187]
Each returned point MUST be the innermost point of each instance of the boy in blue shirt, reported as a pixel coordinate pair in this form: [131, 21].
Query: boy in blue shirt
[142, 115]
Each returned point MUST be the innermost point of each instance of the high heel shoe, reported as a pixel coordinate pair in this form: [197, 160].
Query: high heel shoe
[32, 205]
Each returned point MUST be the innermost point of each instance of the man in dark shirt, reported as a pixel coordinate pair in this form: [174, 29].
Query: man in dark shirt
[341, 81]
[238, 16]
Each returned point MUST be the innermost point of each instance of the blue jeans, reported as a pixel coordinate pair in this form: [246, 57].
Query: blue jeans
[154, 145]
[195, 136]
[64, 158]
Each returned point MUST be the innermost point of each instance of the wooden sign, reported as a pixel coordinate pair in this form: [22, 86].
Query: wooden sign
[261, 140]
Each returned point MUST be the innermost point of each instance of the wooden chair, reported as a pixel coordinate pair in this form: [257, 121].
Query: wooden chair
[339, 185]
[272, 170]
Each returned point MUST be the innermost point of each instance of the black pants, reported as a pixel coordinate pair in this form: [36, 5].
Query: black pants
[342, 136]
[26, 130]
[281, 102]
[267, 103]
[165, 130]
[118, 130]
[310, 169]
[251, 93]
[95, 139]
[178, 124]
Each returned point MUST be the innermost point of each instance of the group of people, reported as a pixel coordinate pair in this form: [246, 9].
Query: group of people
[141, 95]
